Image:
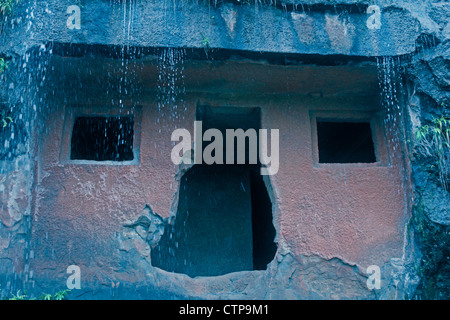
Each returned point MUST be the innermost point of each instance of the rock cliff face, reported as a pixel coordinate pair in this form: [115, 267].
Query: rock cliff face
[409, 41]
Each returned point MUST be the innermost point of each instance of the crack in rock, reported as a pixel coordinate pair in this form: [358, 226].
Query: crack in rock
[149, 226]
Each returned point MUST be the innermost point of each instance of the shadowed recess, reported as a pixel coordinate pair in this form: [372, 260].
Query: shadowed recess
[224, 216]
[102, 138]
[345, 142]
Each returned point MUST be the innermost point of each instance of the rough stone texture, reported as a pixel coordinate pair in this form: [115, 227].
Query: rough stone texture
[329, 29]
[430, 224]
[414, 259]
[430, 98]
[309, 277]
[332, 225]
[14, 225]
[149, 226]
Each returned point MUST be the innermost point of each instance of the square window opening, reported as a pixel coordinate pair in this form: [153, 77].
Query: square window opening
[345, 142]
[101, 138]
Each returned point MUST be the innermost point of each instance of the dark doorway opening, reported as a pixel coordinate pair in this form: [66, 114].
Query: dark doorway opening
[345, 142]
[101, 138]
[224, 215]
[264, 248]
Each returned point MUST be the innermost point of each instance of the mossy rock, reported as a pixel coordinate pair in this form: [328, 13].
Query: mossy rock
[434, 240]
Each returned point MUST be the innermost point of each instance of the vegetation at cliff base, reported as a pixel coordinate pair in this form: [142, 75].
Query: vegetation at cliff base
[60, 295]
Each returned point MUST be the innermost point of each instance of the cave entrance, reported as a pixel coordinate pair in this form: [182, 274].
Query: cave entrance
[224, 216]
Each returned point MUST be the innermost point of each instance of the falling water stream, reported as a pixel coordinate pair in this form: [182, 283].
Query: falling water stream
[390, 82]
[390, 76]
[170, 85]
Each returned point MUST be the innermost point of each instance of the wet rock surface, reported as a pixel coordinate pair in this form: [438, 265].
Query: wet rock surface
[318, 27]
[418, 31]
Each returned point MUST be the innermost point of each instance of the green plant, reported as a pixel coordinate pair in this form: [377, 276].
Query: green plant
[3, 65]
[60, 295]
[4, 120]
[6, 6]
[19, 296]
[433, 142]
[47, 297]
[205, 41]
